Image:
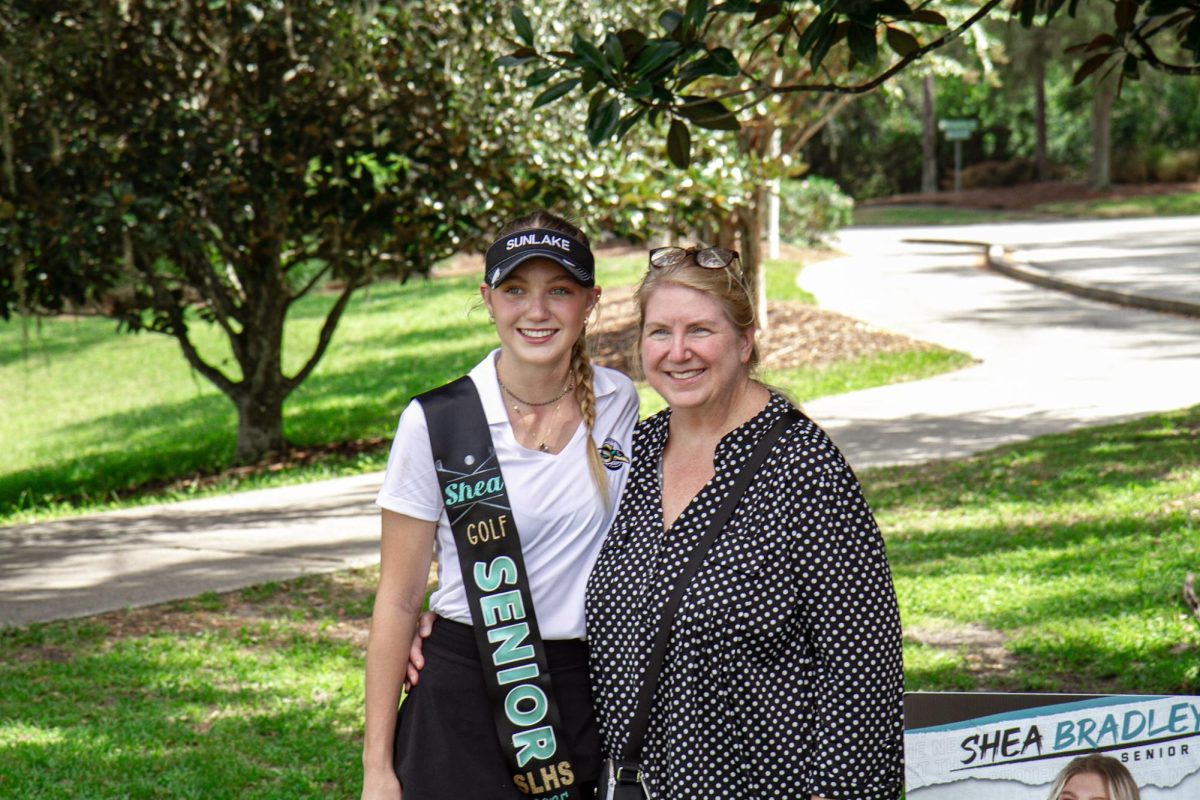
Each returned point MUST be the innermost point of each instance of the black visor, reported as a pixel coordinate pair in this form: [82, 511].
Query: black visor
[511, 251]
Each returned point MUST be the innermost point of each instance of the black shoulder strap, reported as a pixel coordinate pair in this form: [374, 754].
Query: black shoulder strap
[511, 649]
[641, 715]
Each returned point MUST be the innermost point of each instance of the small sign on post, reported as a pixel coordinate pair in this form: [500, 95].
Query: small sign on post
[957, 130]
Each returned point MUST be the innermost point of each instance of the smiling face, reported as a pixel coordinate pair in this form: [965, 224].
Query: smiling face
[692, 354]
[539, 311]
[1085, 786]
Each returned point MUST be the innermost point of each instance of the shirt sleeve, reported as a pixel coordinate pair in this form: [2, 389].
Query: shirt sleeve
[853, 621]
[410, 485]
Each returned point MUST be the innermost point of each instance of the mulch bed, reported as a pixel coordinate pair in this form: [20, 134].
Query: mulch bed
[798, 335]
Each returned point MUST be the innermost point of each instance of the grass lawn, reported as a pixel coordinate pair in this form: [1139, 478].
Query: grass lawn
[932, 215]
[254, 694]
[91, 417]
[1055, 564]
[1180, 204]
[1149, 206]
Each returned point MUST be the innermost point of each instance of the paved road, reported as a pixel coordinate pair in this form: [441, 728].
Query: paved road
[135, 557]
[1149, 257]
[1048, 362]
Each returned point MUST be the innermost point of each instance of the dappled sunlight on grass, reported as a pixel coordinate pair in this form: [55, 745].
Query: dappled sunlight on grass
[13, 734]
[1073, 546]
[212, 703]
[935, 669]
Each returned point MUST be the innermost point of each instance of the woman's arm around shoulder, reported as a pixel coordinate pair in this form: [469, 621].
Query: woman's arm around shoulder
[406, 550]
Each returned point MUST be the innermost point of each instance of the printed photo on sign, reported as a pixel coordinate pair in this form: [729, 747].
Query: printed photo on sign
[992, 746]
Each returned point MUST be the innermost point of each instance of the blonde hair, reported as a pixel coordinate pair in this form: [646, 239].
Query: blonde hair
[581, 360]
[727, 286]
[1117, 780]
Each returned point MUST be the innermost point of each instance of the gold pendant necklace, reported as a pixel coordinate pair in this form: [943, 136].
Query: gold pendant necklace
[543, 442]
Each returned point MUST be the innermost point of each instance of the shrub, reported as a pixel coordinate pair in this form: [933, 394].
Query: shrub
[987, 174]
[811, 208]
[1132, 164]
[1177, 166]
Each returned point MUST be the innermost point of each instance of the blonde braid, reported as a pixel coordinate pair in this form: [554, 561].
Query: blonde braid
[585, 395]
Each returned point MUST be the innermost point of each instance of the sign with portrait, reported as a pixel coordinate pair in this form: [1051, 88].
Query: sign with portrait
[986, 746]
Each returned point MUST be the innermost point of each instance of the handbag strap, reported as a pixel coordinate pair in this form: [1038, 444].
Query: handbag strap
[641, 716]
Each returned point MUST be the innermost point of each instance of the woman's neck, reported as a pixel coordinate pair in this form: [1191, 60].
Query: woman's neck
[712, 421]
[533, 382]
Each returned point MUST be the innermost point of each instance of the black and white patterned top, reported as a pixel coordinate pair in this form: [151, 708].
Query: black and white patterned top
[783, 678]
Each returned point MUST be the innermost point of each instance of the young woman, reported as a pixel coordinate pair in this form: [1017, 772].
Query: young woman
[783, 675]
[510, 477]
[1094, 777]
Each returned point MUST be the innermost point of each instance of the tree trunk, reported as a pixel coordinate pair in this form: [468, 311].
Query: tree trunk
[1039, 113]
[928, 139]
[260, 425]
[775, 197]
[260, 394]
[1100, 169]
[750, 233]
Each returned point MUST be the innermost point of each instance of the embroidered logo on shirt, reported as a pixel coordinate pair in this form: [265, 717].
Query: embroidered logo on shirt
[611, 455]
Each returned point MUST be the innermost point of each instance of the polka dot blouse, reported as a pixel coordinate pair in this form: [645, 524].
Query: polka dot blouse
[783, 677]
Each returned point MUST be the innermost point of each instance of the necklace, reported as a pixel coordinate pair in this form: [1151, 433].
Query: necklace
[548, 432]
[543, 441]
[570, 385]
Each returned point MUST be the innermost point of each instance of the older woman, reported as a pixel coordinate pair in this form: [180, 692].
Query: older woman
[783, 674]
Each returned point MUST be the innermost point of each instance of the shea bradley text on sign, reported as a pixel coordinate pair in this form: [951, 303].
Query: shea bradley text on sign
[1015, 754]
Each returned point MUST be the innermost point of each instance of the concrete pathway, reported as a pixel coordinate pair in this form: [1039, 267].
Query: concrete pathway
[1048, 362]
[135, 557]
[1154, 258]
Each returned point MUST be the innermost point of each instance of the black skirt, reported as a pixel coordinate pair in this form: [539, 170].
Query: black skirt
[447, 747]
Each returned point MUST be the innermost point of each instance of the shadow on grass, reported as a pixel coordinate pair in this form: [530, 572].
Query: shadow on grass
[39, 343]
[230, 714]
[122, 451]
[1079, 465]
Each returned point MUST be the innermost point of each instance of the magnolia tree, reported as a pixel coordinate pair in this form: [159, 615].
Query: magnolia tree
[738, 66]
[172, 163]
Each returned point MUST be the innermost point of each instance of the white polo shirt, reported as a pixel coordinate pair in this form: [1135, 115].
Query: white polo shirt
[554, 503]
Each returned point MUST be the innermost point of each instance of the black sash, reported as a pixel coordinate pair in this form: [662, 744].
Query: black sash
[506, 631]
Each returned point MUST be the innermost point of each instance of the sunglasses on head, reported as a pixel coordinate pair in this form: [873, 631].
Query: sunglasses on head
[706, 257]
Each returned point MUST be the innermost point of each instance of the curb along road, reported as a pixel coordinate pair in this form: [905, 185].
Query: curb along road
[1006, 262]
